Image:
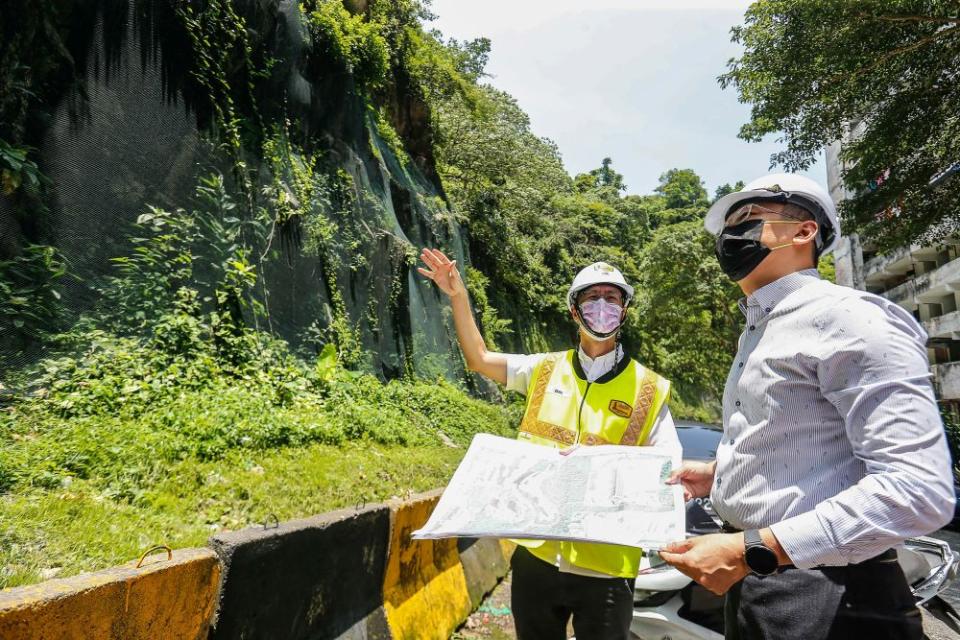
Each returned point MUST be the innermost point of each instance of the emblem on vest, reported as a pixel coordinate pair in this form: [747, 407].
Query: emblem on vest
[621, 408]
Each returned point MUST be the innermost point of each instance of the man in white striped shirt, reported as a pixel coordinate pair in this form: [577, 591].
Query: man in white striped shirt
[833, 449]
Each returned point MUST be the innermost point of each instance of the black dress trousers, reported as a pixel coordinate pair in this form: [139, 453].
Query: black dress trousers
[543, 600]
[867, 600]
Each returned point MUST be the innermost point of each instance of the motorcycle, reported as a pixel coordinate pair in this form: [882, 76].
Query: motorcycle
[670, 606]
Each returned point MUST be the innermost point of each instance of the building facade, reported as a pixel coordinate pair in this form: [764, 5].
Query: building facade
[925, 280]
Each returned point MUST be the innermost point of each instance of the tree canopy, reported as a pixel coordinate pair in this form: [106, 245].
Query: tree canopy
[880, 75]
[531, 227]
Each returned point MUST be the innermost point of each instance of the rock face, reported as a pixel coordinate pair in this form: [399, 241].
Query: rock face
[143, 98]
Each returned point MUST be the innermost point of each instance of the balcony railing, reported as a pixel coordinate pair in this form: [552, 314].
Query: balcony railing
[898, 263]
[904, 295]
[946, 380]
[940, 282]
[895, 263]
[945, 326]
[930, 287]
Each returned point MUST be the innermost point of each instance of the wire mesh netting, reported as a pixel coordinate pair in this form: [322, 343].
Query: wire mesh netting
[282, 191]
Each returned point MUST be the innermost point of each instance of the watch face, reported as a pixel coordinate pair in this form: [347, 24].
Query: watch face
[761, 560]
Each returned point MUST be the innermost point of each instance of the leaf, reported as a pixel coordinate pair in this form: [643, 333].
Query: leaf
[10, 180]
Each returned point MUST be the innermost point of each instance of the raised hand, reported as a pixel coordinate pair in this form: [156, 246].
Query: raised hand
[442, 271]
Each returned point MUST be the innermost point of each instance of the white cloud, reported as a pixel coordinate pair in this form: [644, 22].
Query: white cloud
[472, 18]
[630, 80]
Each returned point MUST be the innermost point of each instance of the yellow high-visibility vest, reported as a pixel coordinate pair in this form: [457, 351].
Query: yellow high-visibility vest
[564, 409]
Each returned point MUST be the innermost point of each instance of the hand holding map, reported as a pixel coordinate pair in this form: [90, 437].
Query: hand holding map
[512, 489]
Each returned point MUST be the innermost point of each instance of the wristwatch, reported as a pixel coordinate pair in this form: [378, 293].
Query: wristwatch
[760, 558]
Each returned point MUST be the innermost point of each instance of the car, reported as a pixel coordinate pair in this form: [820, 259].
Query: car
[699, 441]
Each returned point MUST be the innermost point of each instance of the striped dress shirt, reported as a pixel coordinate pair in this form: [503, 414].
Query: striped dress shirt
[832, 435]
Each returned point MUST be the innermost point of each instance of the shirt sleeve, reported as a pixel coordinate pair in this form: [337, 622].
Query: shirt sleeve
[520, 369]
[664, 431]
[877, 376]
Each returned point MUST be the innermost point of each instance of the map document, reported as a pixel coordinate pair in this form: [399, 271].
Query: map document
[507, 488]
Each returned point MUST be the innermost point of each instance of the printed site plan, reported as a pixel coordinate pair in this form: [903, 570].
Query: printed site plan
[614, 494]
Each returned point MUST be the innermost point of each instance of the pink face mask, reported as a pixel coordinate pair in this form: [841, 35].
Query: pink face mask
[601, 316]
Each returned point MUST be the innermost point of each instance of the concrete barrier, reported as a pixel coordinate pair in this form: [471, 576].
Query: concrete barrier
[320, 577]
[163, 599]
[425, 592]
[485, 561]
[351, 574]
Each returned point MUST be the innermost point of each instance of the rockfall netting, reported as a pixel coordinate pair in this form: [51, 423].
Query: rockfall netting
[236, 147]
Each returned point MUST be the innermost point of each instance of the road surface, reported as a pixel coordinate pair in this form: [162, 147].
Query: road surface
[493, 621]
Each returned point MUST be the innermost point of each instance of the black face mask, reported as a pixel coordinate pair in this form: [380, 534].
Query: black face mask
[739, 249]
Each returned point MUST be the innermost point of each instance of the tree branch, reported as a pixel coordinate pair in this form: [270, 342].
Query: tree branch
[901, 50]
[909, 18]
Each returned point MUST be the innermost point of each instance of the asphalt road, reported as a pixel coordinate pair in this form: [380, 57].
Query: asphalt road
[492, 621]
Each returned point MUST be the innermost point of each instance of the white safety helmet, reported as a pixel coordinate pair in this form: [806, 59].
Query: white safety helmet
[598, 273]
[782, 187]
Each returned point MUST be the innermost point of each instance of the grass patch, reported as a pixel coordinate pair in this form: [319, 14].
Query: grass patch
[123, 446]
[76, 528]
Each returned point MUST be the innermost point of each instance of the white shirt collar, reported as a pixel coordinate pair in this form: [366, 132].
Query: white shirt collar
[593, 368]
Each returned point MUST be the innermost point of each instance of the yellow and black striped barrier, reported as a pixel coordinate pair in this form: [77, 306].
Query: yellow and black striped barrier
[346, 574]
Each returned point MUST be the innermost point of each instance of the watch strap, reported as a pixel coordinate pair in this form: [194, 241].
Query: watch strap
[751, 538]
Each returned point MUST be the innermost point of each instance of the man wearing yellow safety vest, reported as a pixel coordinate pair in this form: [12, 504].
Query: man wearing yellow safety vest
[591, 395]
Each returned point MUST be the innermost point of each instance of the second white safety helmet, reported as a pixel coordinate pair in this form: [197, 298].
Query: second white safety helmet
[784, 187]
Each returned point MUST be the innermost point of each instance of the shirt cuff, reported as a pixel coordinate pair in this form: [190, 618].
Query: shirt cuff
[806, 541]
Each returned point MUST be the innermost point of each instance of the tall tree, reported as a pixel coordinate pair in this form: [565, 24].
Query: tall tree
[684, 198]
[603, 181]
[687, 313]
[727, 188]
[885, 71]
[682, 188]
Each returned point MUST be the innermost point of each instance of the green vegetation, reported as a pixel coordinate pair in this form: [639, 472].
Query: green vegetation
[357, 42]
[531, 227]
[882, 71]
[29, 300]
[130, 443]
[76, 527]
[167, 413]
[173, 406]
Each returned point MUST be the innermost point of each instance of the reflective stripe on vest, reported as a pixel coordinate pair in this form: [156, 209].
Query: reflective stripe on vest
[564, 409]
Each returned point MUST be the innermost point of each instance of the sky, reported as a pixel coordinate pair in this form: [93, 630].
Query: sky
[633, 80]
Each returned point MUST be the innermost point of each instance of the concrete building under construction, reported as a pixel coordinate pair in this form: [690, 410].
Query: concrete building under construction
[924, 279]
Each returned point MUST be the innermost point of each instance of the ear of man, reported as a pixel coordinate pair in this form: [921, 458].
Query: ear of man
[807, 233]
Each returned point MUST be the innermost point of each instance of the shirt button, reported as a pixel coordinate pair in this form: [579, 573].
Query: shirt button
[767, 309]
[738, 403]
[752, 327]
[719, 480]
[739, 365]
